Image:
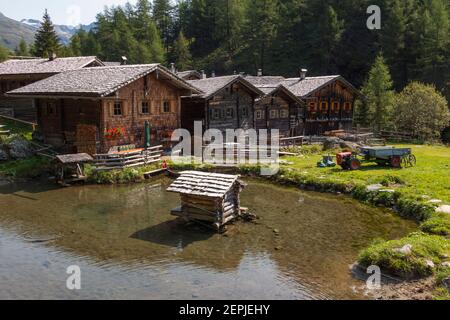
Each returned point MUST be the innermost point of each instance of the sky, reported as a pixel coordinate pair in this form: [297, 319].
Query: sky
[68, 12]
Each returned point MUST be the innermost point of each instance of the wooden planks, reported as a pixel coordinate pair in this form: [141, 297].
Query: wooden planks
[203, 184]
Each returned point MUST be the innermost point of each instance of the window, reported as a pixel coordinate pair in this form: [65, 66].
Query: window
[245, 112]
[312, 107]
[324, 106]
[166, 107]
[51, 108]
[216, 114]
[336, 106]
[347, 106]
[230, 113]
[145, 107]
[273, 114]
[284, 114]
[118, 110]
[259, 115]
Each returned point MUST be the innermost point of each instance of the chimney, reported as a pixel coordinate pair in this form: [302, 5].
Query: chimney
[213, 74]
[203, 74]
[124, 60]
[303, 73]
[52, 56]
[260, 72]
[172, 67]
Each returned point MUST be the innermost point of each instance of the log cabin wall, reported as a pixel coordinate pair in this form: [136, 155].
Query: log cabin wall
[273, 113]
[148, 98]
[330, 108]
[21, 108]
[231, 108]
[64, 122]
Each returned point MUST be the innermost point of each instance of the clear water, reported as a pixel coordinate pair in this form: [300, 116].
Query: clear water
[129, 247]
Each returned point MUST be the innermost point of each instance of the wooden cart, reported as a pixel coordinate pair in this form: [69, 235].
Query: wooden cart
[394, 157]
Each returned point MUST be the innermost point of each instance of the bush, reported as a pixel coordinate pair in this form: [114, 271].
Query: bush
[127, 175]
[26, 168]
[414, 209]
[438, 224]
[430, 115]
[424, 248]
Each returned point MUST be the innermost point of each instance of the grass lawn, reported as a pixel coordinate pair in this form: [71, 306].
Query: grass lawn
[431, 176]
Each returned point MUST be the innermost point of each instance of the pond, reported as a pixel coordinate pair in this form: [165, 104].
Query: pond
[128, 246]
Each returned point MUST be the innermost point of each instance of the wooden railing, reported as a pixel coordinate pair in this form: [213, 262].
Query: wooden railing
[292, 141]
[32, 124]
[118, 161]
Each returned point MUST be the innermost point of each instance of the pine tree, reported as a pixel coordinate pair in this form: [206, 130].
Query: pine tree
[75, 45]
[46, 40]
[435, 43]
[322, 33]
[260, 31]
[379, 95]
[146, 32]
[399, 39]
[4, 53]
[162, 15]
[181, 54]
[22, 49]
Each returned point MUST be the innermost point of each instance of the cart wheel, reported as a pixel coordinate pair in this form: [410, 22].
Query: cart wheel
[355, 164]
[412, 160]
[396, 162]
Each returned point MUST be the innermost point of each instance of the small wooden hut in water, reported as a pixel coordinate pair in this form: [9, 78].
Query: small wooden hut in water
[208, 197]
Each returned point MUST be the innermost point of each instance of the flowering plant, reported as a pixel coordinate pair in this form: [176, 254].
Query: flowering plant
[115, 133]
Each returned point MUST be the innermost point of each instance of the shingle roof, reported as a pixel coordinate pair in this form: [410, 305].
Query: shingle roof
[265, 80]
[302, 88]
[197, 183]
[271, 89]
[44, 66]
[96, 82]
[211, 86]
[111, 63]
[187, 73]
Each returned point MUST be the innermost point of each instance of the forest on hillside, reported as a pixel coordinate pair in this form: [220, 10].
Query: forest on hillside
[279, 36]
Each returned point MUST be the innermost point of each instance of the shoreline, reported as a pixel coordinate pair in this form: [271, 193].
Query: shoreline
[422, 288]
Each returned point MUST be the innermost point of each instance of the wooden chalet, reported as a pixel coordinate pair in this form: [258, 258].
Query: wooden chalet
[17, 73]
[278, 108]
[328, 100]
[226, 103]
[93, 110]
[208, 197]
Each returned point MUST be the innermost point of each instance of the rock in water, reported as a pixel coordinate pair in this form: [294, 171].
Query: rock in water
[19, 148]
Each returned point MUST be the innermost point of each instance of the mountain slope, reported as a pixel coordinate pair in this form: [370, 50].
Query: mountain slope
[11, 31]
[64, 32]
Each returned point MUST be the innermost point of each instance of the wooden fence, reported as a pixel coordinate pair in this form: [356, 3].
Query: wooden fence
[234, 154]
[117, 161]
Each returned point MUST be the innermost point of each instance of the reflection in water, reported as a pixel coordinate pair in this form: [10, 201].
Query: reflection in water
[129, 247]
